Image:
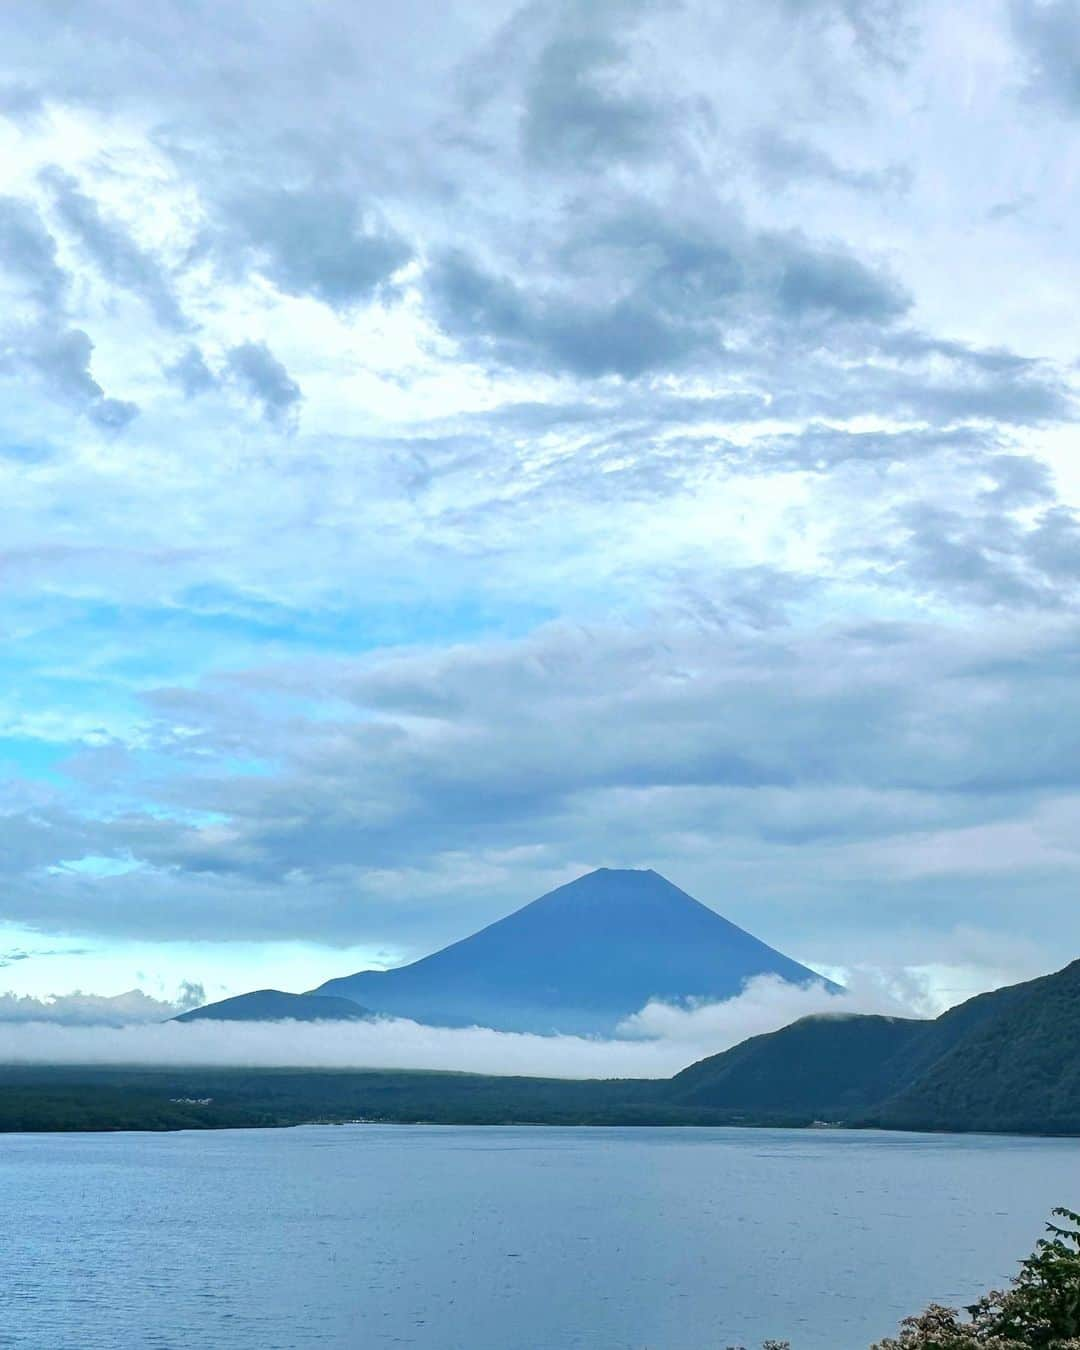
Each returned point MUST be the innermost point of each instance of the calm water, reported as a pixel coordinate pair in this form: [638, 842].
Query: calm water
[506, 1239]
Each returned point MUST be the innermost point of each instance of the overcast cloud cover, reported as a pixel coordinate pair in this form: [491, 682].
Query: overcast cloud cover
[447, 448]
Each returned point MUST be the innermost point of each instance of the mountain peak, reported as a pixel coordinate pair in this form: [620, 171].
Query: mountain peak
[638, 873]
[578, 960]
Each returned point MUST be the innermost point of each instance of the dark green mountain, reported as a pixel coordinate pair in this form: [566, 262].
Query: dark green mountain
[1016, 1068]
[829, 1065]
[1007, 1060]
[274, 1005]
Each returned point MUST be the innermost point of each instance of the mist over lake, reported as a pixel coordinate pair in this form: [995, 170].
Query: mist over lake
[508, 1239]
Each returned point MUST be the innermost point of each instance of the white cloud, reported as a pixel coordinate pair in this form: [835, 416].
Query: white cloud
[93, 1010]
[766, 1004]
[656, 1042]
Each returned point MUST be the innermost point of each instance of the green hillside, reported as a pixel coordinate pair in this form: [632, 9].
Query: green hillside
[829, 1065]
[1007, 1060]
[1015, 1069]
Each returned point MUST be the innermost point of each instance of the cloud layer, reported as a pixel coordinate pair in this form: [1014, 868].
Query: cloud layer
[442, 457]
[659, 1040]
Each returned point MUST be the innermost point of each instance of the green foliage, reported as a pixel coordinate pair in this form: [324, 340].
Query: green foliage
[56, 1097]
[1039, 1311]
[765, 1345]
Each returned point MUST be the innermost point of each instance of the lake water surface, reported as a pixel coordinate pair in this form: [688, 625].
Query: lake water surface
[506, 1239]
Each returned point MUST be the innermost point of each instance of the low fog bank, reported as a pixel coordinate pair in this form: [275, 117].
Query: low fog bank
[765, 1004]
[655, 1043]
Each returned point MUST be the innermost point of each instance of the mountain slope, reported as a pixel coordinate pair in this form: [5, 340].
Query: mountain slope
[1006, 1060]
[825, 1066]
[1018, 1068]
[273, 1005]
[578, 960]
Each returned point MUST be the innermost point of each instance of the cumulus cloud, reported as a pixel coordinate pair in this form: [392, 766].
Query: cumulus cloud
[88, 1010]
[265, 379]
[316, 242]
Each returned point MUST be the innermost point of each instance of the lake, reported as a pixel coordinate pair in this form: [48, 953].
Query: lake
[507, 1238]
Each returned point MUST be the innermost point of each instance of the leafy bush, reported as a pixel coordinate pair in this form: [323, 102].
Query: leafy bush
[1040, 1310]
[765, 1345]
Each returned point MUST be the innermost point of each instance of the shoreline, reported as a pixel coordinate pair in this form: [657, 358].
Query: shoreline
[81, 1099]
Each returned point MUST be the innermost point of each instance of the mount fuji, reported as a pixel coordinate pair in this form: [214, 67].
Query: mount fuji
[577, 961]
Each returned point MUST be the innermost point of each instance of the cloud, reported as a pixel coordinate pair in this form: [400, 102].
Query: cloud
[993, 559]
[575, 117]
[262, 375]
[35, 335]
[568, 79]
[435, 797]
[1049, 35]
[659, 1041]
[678, 481]
[834, 283]
[61, 358]
[783, 159]
[119, 258]
[317, 242]
[877, 26]
[20, 102]
[767, 1003]
[636, 292]
[28, 253]
[380, 1045]
[627, 337]
[191, 372]
[86, 1010]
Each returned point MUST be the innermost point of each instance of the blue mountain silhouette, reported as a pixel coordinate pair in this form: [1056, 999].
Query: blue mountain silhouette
[577, 961]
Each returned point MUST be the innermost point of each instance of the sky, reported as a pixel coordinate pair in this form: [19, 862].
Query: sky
[447, 448]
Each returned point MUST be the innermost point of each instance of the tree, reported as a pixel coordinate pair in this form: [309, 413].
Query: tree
[1039, 1311]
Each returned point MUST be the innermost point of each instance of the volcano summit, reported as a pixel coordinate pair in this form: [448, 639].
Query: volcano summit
[577, 961]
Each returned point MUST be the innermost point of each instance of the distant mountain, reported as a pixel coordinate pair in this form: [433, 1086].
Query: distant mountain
[578, 960]
[1008, 1060]
[273, 1005]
